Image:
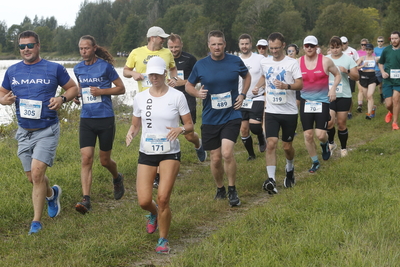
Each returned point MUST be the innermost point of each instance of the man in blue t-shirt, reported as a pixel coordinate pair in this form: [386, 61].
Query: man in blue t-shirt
[378, 51]
[219, 76]
[32, 84]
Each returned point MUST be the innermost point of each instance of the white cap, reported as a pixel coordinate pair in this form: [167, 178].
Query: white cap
[262, 42]
[344, 39]
[156, 65]
[156, 31]
[311, 40]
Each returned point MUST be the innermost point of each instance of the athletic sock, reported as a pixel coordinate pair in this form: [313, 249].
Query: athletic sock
[314, 159]
[289, 165]
[343, 136]
[248, 144]
[271, 171]
[331, 135]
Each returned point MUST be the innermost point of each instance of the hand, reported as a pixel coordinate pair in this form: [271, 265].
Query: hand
[202, 93]
[173, 133]
[280, 85]
[137, 76]
[171, 82]
[332, 95]
[255, 90]
[55, 103]
[129, 138]
[385, 75]
[239, 102]
[76, 99]
[95, 91]
[8, 98]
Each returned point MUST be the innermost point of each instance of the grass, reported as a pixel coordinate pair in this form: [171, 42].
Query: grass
[344, 215]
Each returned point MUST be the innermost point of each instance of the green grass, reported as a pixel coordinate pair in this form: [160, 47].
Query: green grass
[344, 215]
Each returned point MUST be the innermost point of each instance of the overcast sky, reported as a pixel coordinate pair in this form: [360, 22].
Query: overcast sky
[64, 11]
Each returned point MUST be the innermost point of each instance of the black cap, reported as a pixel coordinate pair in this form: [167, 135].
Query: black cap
[369, 46]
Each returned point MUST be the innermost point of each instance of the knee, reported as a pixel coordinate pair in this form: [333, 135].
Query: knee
[145, 204]
[87, 160]
[163, 203]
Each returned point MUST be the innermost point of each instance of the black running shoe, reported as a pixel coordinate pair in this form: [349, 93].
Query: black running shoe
[270, 186]
[119, 189]
[251, 158]
[221, 193]
[289, 179]
[233, 198]
[84, 206]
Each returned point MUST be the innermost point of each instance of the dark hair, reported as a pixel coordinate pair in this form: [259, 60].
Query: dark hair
[396, 32]
[101, 52]
[245, 36]
[335, 41]
[27, 34]
[173, 37]
[216, 33]
[295, 47]
[276, 36]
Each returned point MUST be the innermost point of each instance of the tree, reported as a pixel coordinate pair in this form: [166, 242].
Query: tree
[391, 22]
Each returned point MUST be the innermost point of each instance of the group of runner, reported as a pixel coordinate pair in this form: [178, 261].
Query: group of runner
[254, 93]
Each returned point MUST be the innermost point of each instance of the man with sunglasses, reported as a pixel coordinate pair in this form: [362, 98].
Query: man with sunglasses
[389, 64]
[351, 52]
[32, 85]
[262, 47]
[136, 63]
[378, 51]
[316, 95]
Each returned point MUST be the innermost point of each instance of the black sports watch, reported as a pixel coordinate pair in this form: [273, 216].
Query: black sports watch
[289, 87]
[64, 99]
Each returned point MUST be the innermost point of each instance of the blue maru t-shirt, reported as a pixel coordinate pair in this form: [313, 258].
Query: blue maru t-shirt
[219, 76]
[37, 82]
[100, 74]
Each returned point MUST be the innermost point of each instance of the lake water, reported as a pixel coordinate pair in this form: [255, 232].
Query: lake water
[6, 112]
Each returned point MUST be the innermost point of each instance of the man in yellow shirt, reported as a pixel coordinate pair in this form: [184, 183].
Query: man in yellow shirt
[136, 63]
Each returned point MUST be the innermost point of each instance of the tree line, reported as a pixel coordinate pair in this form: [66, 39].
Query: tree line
[121, 25]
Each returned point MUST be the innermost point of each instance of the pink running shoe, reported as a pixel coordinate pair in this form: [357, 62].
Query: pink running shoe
[151, 226]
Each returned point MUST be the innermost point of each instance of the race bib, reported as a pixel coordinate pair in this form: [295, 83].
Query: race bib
[369, 63]
[146, 82]
[181, 74]
[30, 109]
[339, 88]
[277, 96]
[247, 103]
[88, 98]
[395, 73]
[221, 101]
[312, 107]
[156, 144]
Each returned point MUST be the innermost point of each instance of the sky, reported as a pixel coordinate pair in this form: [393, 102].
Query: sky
[64, 11]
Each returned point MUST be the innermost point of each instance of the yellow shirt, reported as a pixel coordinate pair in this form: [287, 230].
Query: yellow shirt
[139, 57]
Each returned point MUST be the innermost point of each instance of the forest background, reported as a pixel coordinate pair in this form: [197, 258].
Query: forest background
[121, 25]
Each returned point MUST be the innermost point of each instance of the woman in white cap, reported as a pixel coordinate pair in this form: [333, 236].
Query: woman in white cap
[262, 47]
[158, 110]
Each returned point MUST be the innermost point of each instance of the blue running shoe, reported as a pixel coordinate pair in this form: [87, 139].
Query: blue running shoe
[326, 152]
[314, 167]
[53, 206]
[35, 227]
[162, 246]
[201, 153]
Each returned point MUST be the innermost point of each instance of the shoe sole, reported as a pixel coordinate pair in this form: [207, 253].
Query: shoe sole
[81, 209]
[235, 205]
[270, 188]
[58, 200]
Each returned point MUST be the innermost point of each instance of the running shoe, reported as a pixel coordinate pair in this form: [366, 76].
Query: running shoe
[332, 147]
[162, 246]
[84, 206]
[269, 185]
[314, 167]
[151, 226]
[289, 179]
[156, 181]
[368, 117]
[388, 117]
[233, 198]
[262, 146]
[35, 227]
[201, 153]
[395, 126]
[359, 108]
[221, 193]
[349, 116]
[53, 205]
[326, 152]
[251, 158]
[119, 188]
[343, 152]
[373, 112]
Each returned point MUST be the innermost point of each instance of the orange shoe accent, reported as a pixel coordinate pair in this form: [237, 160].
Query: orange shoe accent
[395, 126]
[388, 117]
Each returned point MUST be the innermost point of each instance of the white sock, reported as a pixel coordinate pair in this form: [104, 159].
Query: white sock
[289, 165]
[271, 171]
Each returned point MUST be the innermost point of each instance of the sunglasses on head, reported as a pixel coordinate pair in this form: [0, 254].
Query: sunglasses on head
[30, 46]
[309, 45]
[262, 47]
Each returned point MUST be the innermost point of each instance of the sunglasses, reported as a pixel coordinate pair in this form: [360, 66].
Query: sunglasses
[379, 41]
[344, 43]
[261, 47]
[30, 46]
[309, 45]
[363, 44]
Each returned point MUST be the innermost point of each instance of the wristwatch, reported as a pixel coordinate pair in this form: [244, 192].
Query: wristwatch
[243, 95]
[175, 78]
[289, 87]
[64, 99]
